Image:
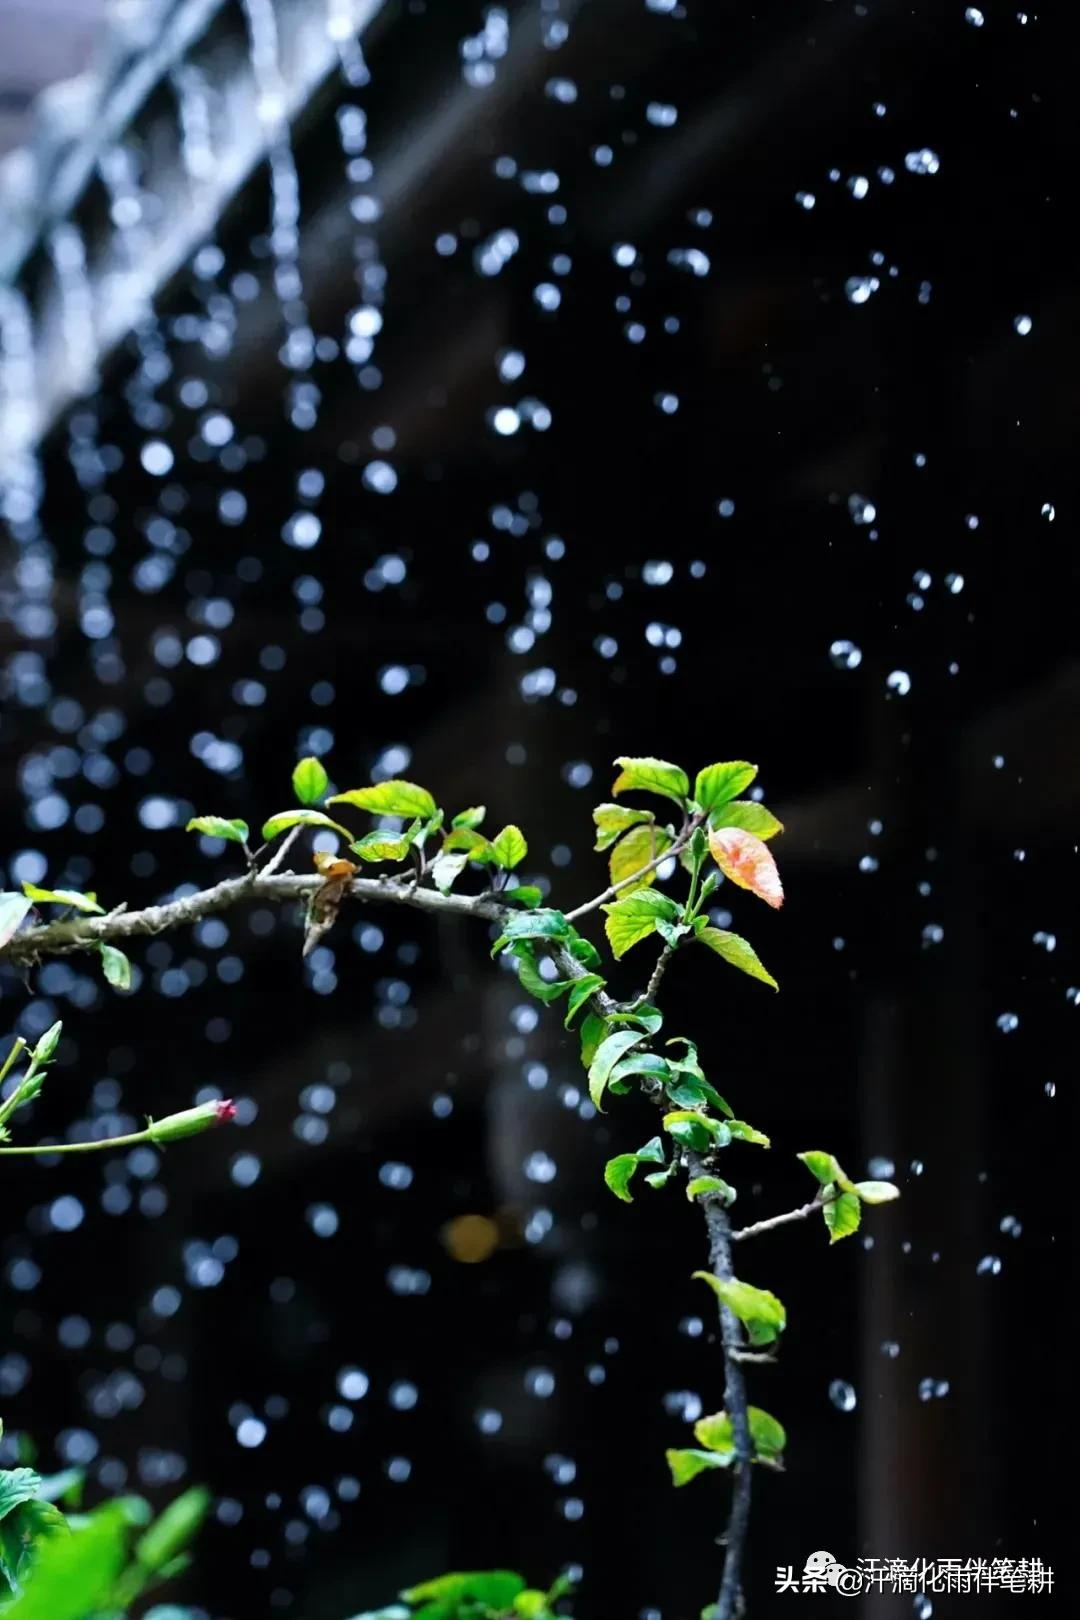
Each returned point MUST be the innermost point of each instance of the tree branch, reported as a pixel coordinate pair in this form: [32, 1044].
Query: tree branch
[800, 1214]
[86, 933]
[635, 877]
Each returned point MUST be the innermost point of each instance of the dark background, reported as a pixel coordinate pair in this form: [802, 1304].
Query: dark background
[930, 838]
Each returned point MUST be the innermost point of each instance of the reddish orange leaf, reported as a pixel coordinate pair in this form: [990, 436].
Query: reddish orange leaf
[747, 861]
[332, 868]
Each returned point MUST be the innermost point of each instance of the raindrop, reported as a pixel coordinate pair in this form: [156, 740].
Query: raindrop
[974, 16]
[845, 655]
[923, 161]
[842, 1395]
[1008, 1022]
[989, 1265]
[899, 682]
[1023, 324]
[858, 289]
[922, 1606]
[1047, 512]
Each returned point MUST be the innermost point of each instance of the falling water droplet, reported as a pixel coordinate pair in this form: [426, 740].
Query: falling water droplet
[842, 1395]
[899, 681]
[845, 655]
[988, 1266]
[922, 161]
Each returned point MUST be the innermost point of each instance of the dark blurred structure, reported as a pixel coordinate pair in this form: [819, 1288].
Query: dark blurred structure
[720, 402]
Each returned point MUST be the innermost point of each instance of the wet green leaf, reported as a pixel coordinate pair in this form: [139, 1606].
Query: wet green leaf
[309, 780]
[612, 820]
[639, 846]
[686, 1464]
[301, 818]
[635, 917]
[709, 1187]
[116, 967]
[717, 784]
[751, 817]
[394, 798]
[876, 1192]
[842, 1216]
[652, 776]
[234, 832]
[62, 897]
[760, 1312]
[738, 951]
[610, 1050]
[507, 849]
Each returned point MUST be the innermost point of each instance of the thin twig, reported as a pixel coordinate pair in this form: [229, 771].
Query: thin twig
[658, 972]
[624, 883]
[276, 861]
[774, 1221]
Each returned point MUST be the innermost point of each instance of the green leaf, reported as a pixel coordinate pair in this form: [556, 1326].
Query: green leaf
[530, 977]
[116, 967]
[635, 917]
[822, 1166]
[697, 1131]
[612, 820]
[876, 1192]
[710, 1186]
[649, 1064]
[526, 894]
[13, 908]
[686, 1464]
[389, 799]
[717, 784]
[610, 1050]
[508, 849]
[652, 1152]
[583, 989]
[471, 818]
[74, 1574]
[842, 1216]
[497, 1588]
[743, 1132]
[173, 1530]
[539, 924]
[381, 845]
[652, 776]
[639, 846]
[234, 832]
[736, 950]
[17, 1485]
[467, 841]
[592, 1032]
[645, 1017]
[716, 1433]
[301, 818]
[618, 1173]
[660, 1178]
[760, 1312]
[446, 869]
[750, 816]
[309, 780]
[62, 897]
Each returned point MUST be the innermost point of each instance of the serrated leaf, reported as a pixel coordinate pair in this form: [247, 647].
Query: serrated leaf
[464, 840]
[660, 1178]
[446, 869]
[842, 1216]
[116, 967]
[767, 1435]
[652, 776]
[760, 1312]
[697, 1131]
[650, 1064]
[17, 1485]
[539, 924]
[471, 818]
[738, 951]
[876, 1192]
[526, 894]
[381, 845]
[610, 1050]
[580, 994]
[742, 1132]
[747, 861]
[592, 1032]
[507, 849]
[637, 849]
[309, 780]
[234, 831]
[634, 918]
[716, 784]
[619, 1172]
[13, 908]
[710, 1186]
[652, 1152]
[301, 818]
[62, 897]
[686, 1463]
[750, 816]
[822, 1166]
[394, 798]
[530, 977]
[612, 820]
